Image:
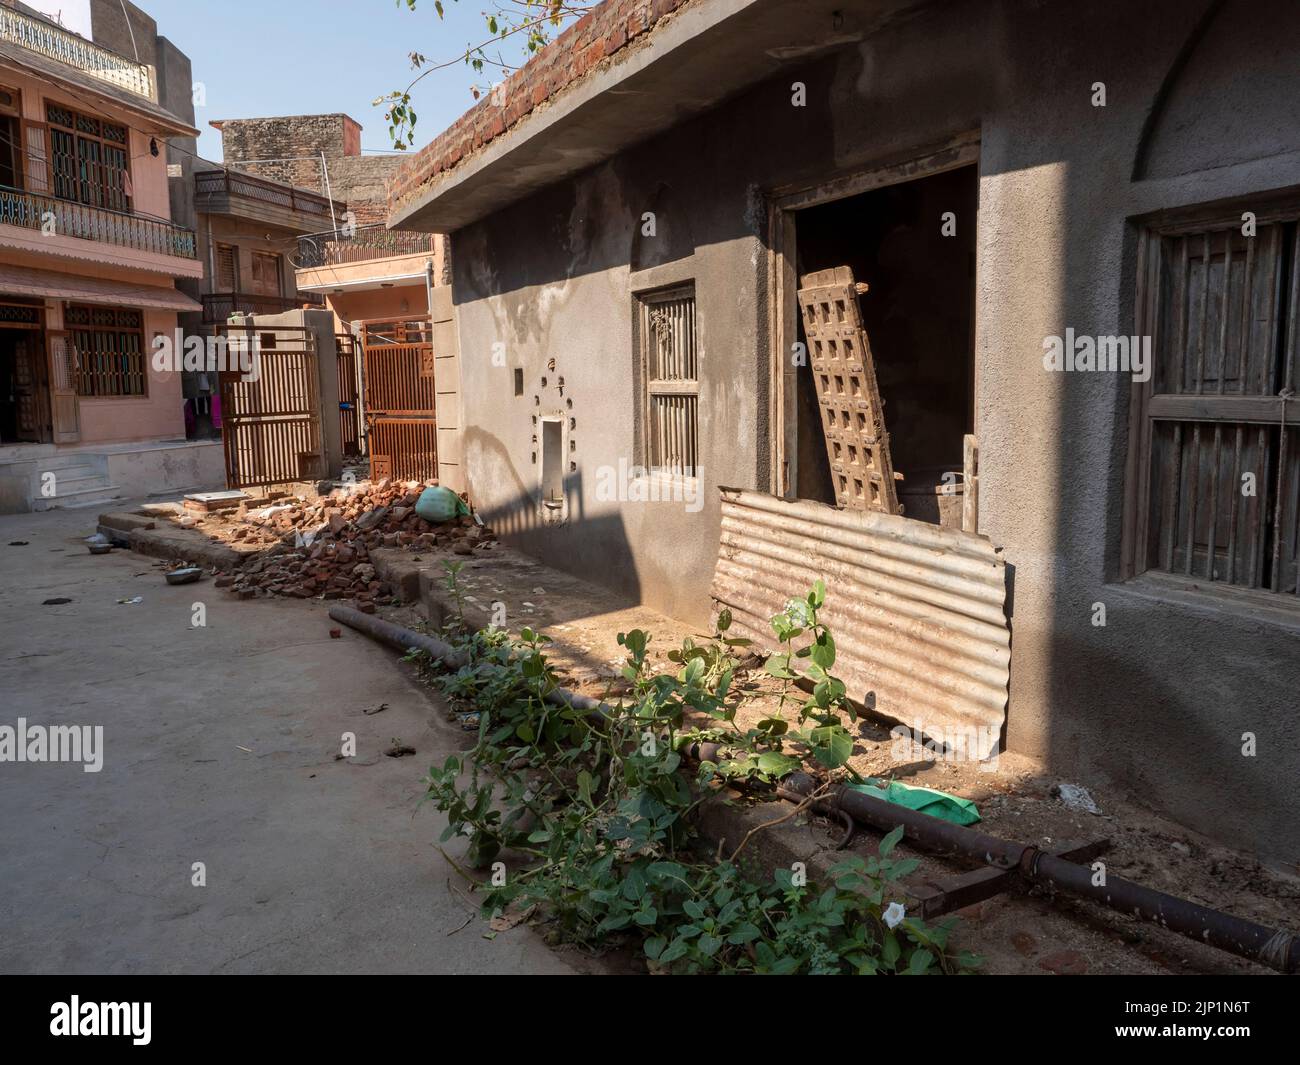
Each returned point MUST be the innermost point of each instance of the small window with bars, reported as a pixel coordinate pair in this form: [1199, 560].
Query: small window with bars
[1219, 424]
[669, 364]
[108, 343]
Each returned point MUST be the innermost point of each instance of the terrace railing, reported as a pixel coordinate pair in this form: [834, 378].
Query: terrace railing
[334, 247]
[234, 183]
[54, 42]
[66, 218]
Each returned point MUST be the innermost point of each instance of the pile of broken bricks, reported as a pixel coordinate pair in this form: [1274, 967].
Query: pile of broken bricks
[323, 546]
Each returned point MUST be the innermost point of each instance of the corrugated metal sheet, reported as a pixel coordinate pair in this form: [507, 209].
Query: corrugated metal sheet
[917, 611]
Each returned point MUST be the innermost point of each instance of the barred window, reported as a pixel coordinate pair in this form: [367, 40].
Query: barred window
[1218, 425]
[669, 366]
[89, 158]
[109, 349]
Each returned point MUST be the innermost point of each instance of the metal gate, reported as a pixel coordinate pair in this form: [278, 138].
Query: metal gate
[270, 412]
[349, 393]
[401, 424]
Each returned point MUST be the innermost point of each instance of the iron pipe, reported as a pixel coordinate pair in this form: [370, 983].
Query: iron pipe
[1268, 946]
[1271, 947]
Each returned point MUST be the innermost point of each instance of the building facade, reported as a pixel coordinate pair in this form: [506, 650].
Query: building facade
[90, 259]
[1029, 191]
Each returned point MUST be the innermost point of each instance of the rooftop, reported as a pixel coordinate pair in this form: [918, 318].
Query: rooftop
[34, 32]
[622, 73]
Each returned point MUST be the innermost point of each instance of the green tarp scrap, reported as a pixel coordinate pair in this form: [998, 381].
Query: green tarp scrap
[924, 800]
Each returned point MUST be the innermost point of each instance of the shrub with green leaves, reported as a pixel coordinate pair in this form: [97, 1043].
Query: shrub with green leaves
[596, 808]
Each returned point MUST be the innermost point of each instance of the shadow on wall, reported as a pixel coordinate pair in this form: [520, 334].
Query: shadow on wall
[1158, 698]
[601, 554]
[689, 178]
[1160, 707]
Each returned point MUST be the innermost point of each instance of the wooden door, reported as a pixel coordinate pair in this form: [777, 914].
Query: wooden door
[853, 418]
[227, 268]
[37, 166]
[266, 274]
[29, 388]
[65, 412]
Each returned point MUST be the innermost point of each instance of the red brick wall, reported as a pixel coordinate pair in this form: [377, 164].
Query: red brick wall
[579, 50]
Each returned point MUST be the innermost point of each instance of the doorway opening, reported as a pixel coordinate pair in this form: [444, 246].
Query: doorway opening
[912, 243]
[24, 393]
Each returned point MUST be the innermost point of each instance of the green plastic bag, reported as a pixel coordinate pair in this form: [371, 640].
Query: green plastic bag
[440, 504]
[924, 800]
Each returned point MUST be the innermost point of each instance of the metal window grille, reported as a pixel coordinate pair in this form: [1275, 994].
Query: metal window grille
[110, 350]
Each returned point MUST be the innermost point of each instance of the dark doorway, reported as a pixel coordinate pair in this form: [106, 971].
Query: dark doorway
[23, 401]
[913, 243]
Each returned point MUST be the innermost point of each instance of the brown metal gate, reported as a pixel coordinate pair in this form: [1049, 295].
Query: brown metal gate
[271, 424]
[401, 424]
[349, 425]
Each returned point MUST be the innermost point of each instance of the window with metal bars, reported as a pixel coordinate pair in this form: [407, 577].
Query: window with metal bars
[1218, 480]
[669, 368]
[89, 158]
[110, 351]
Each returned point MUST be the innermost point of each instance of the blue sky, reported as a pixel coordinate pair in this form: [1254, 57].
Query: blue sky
[290, 57]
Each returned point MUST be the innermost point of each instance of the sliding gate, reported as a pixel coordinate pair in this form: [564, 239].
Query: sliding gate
[401, 425]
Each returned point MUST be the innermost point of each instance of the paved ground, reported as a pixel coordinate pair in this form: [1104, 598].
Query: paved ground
[312, 864]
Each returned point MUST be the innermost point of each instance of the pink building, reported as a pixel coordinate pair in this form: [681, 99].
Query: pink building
[89, 264]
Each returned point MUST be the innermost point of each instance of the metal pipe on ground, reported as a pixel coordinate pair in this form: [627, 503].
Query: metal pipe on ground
[1271, 947]
[403, 639]
[1268, 946]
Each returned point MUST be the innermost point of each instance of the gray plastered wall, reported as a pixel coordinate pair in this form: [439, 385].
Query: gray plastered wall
[1158, 700]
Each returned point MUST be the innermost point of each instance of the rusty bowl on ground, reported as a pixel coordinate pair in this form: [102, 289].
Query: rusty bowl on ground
[184, 575]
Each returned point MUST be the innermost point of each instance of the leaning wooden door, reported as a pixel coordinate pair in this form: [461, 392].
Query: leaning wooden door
[853, 418]
[65, 411]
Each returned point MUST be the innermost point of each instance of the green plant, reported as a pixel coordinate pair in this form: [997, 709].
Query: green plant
[598, 807]
[821, 727]
[451, 579]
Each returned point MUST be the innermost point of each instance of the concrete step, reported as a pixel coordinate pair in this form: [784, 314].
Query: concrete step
[71, 499]
[77, 480]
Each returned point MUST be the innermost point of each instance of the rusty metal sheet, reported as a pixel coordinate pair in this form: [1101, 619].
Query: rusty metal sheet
[844, 372]
[917, 611]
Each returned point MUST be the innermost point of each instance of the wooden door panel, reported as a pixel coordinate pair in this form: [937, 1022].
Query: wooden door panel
[65, 411]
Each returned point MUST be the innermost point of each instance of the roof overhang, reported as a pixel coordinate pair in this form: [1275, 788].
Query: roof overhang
[49, 284]
[705, 53]
[362, 284]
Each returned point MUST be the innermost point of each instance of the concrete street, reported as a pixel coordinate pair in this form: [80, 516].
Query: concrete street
[312, 864]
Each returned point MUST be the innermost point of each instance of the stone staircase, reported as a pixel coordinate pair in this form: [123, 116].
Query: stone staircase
[69, 481]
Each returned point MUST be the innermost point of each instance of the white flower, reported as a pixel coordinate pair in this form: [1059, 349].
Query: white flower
[894, 914]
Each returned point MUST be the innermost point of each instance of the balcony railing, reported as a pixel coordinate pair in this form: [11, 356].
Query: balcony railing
[218, 306]
[233, 183]
[66, 218]
[364, 242]
[54, 42]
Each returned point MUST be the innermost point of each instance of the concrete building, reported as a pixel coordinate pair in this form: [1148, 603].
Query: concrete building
[380, 282]
[320, 152]
[90, 258]
[248, 229]
[1011, 179]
